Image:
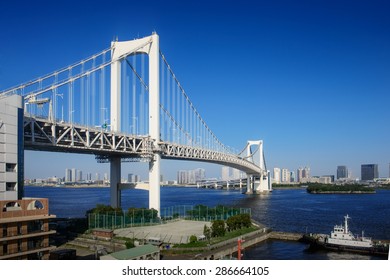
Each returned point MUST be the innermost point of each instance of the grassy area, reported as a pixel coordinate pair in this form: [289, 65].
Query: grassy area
[216, 240]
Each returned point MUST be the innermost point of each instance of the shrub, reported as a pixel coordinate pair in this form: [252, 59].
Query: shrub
[218, 228]
[193, 239]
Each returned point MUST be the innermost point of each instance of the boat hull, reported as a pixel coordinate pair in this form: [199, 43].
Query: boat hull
[381, 250]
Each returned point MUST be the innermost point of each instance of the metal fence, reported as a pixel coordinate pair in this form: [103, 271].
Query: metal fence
[144, 217]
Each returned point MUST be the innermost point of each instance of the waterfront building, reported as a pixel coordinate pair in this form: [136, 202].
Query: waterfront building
[74, 172]
[236, 174]
[299, 174]
[285, 175]
[330, 176]
[25, 231]
[130, 178]
[292, 176]
[369, 172]
[68, 175]
[200, 174]
[277, 175]
[182, 177]
[225, 176]
[342, 172]
[11, 147]
[306, 173]
[79, 175]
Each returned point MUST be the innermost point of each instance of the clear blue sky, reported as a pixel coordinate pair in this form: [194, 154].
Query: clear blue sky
[310, 78]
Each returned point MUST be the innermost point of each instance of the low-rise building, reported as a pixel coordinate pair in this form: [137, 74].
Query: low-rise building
[24, 229]
[143, 252]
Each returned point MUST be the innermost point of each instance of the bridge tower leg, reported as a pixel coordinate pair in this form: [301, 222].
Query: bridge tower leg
[154, 122]
[115, 162]
[249, 184]
[115, 180]
[150, 46]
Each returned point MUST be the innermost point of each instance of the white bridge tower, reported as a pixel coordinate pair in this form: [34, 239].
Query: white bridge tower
[258, 183]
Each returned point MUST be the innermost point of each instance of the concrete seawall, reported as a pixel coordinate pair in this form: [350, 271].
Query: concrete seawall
[230, 247]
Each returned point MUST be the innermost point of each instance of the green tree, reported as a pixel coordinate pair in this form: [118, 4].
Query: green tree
[105, 209]
[218, 228]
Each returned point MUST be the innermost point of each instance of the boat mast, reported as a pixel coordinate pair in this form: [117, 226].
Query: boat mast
[346, 224]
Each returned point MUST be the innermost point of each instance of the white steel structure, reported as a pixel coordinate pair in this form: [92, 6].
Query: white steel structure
[129, 115]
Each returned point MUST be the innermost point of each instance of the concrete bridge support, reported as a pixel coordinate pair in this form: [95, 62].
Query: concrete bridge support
[115, 180]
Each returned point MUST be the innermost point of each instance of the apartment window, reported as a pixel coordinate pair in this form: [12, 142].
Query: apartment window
[10, 167]
[19, 245]
[5, 248]
[5, 233]
[34, 226]
[10, 186]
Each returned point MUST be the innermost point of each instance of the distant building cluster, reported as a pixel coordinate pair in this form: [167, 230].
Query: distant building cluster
[188, 177]
[369, 172]
[76, 176]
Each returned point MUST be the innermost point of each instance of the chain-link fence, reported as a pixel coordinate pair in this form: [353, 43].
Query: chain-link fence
[145, 217]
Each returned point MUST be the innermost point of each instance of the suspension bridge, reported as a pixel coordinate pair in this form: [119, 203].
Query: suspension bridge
[124, 103]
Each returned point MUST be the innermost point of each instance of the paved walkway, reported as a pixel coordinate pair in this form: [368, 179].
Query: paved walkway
[172, 232]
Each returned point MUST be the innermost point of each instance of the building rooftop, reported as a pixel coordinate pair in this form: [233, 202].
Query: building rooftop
[132, 253]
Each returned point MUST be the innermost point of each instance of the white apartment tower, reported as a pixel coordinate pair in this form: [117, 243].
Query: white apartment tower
[277, 175]
[11, 147]
[225, 173]
[285, 175]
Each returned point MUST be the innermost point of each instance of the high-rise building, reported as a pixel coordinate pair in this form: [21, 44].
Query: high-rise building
[11, 147]
[236, 174]
[79, 175]
[74, 178]
[306, 172]
[130, 178]
[68, 175]
[182, 177]
[200, 174]
[369, 172]
[277, 175]
[225, 173]
[292, 176]
[299, 174]
[285, 175]
[342, 172]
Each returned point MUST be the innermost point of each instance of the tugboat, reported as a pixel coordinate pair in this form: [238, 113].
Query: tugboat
[342, 239]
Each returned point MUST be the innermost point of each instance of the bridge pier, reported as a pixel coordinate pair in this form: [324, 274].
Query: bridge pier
[249, 184]
[154, 183]
[115, 180]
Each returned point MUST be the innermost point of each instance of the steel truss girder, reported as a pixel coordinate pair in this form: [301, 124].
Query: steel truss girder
[43, 134]
[175, 151]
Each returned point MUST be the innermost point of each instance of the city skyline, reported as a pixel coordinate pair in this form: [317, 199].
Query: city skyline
[315, 65]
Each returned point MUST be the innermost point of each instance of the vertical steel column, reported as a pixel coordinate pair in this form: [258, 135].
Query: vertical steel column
[154, 123]
[115, 162]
